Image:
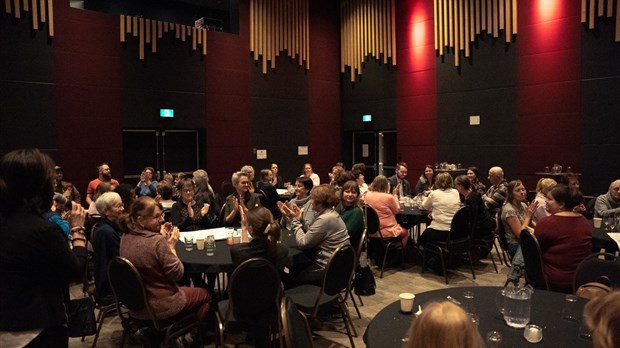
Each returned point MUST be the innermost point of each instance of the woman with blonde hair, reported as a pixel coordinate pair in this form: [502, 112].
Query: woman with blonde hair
[445, 325]
[386, 206]
[543, 187]
[602, 314]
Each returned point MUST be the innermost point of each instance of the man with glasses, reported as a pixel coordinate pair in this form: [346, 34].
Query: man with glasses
[398, 182]
[496, 194]
[242, 198]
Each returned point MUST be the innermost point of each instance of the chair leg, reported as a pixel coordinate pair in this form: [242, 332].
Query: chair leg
[345, 315]
[493, 260]
[384, 260]
[471, 265]
[361, 302]
[499, 256]
[355, 305]
[100, 318]
[443, 266]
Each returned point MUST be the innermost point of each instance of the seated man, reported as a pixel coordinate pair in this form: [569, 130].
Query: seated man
[496, 194]
[398, 181]
[609, 203]
[65, 187]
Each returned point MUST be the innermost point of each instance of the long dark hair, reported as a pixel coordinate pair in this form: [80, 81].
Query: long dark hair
[26, 181]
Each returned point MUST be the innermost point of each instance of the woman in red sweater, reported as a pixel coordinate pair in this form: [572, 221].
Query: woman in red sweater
[565, 238]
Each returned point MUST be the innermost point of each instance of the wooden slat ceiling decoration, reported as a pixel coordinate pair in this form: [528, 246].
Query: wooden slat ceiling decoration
[457, 22]
[590, 9]
[149, 31]
[42, 11]
[367, 28]
[277, 26]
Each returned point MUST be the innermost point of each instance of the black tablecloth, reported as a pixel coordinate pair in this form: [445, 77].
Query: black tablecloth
[411, 216]
[601, 240]
[389, 326]
[197, 261]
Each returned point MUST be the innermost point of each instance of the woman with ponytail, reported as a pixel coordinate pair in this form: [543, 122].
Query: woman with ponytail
[259, 224]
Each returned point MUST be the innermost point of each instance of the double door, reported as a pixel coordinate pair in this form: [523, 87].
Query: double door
[167, 151]
[377, 150]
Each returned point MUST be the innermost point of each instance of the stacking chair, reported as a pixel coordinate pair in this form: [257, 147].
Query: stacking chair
[500, 232]
[313, 300]
[358, 252]
[254, 293]
[596, 266]
[129, 291]
[295, 328]
[486, 242]
[388, 243]
[457, 244]
[532, 256]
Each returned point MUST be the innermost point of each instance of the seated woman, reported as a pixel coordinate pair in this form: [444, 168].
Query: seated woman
[443, 324]
[249, 171]
[106, 242]
[326, 233]
[189, 214]
[442, 203]
[309, 173]
[151, 249]
[37, 262]
[271, 194]
[265, 232]
[565, 238]
[165, 193]
[350, 211]
[102, 188]
[543, 187]
[359, 179]
[473, 174]
[386, 205]
[242, 198]
[204, 191]
[147, 186]
[303, 187]
[516, 216]
[482, 223]
[426, 181]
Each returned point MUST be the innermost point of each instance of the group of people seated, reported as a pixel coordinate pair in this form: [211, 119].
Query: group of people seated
[142, 223]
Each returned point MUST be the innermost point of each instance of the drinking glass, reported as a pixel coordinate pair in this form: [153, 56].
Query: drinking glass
[210, 245]
[494, 339]
[468, 302]
[570, 311]
[189, 243]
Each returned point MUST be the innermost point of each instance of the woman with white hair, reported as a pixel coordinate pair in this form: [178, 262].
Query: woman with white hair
[106, 240]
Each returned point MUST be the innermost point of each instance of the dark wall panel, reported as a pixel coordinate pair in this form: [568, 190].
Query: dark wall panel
[600, 98]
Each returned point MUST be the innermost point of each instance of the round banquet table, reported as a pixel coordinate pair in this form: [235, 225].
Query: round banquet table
[601, 240]
[197, 261]
[390, 326]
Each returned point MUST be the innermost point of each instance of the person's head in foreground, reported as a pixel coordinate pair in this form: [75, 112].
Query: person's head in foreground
[445, 325]
[602, 314]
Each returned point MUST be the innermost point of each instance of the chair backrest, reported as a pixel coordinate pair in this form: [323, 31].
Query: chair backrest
[220, 219]
[591, 201]
[460, 227]
[372, 220]
[128, 286]
[532, 257]
[339, 271]
[262, 196]
[295, 327]
[594, 267]
[255, 289]
[501, 231]
[360, 244]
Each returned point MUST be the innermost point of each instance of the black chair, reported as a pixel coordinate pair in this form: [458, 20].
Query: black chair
[457, 244]
[532, 256]
[596, 266]
[387, 243]
[254, 293]
[221, 216]
[500, 232]
[314, 300]
[358, 252]
[295, 328]
[129, 292]
[484, 242]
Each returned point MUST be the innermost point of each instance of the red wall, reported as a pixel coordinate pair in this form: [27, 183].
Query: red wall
[549, 86]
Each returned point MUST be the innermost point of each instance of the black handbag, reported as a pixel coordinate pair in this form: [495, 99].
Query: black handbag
[81, 314]
[364, 281]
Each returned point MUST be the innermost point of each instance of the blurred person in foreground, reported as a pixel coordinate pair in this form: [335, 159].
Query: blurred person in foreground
[443, 325]
[37, 262]
[602, 314]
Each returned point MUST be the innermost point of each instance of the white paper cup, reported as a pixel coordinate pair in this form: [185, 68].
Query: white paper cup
[597, 222]
[200, 243]
[406, 302]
